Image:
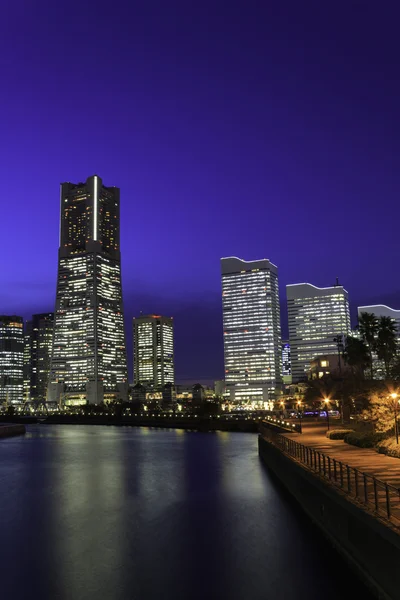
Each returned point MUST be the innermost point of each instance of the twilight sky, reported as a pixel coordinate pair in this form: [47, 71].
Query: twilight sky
[247, 128]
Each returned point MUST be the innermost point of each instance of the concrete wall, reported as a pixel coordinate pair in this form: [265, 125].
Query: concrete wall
[371, 547]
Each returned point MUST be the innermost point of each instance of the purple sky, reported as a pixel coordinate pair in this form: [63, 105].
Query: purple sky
[254, 129]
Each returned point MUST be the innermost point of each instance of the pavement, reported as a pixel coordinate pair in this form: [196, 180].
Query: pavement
[385, 468]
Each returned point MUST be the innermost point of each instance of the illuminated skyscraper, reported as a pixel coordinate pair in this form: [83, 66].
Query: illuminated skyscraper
[37, 356]
[153, 340]
[89, 353]
[316, 317]
[286, 364]
[252, 329]
[381, 310]
[11, 359]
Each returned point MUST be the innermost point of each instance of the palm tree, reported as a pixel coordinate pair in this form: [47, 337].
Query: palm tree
[386, 343]
[356, 355]
[368, 328]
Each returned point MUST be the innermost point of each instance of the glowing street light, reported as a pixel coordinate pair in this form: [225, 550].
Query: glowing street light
[326, 401]
[393, 395]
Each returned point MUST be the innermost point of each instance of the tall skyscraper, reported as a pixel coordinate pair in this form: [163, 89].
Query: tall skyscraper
[89, 352]
[37, 356]
[381, 310]
[11, 359]
[153, 340]
[316, 317]
[252, 329]
[286, 364]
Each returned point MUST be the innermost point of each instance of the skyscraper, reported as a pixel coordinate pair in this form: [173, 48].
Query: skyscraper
[153, 340]
[11, 359]
[286, 364]
[252, 329]
[89, 353]
[381, 310]
[37, 356]
[316, 317]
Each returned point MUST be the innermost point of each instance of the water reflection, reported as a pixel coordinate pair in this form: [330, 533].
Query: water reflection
[104, 513]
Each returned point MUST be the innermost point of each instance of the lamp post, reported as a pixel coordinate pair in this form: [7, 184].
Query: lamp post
[298, 410]
[396, 429]
[326, 400]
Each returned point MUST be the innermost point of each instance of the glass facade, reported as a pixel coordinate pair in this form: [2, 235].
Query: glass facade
[89, 351]
[316, 317]
[11, 359]
[252, 330]
[153, 340]
[286, 362]
[37, 356]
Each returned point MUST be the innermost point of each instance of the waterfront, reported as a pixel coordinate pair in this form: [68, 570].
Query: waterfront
[124, 513]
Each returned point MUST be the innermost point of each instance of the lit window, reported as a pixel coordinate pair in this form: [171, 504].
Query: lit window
[324, 363]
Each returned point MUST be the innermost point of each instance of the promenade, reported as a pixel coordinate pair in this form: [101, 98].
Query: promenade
[385, 468]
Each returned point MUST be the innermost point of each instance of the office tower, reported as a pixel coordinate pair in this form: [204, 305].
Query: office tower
[37, 356]
[252, 329]
[153, 340]
[89, 353]
[286, 364]
[317, 317]
[381, 310]
[11, 359]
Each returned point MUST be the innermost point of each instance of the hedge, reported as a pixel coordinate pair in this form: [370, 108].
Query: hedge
[389, 447]
[364, 440]
[338, 434]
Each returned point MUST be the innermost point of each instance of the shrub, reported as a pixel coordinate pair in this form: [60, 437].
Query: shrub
[338, 434]
[364, 440]
[388, 446]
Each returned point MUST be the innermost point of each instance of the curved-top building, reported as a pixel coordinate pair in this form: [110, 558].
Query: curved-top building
[89, 352]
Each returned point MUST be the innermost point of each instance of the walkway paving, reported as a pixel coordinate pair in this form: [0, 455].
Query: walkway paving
[385, 468]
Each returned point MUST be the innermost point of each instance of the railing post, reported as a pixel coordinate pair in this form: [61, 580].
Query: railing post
[348, 479]
[341, 474]
[375, 494]
[365, 488]
[356, 481]
[319, 462]
[387, 500]
[334, 469]
[329, 467]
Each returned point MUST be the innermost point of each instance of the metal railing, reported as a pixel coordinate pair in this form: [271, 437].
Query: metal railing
[379, 496]
[283, 424]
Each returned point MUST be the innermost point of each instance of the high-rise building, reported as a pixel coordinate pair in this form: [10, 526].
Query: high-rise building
[89, 352]
[11, 359]
[252, 329]
[286, 364]
[317, 317]
[37, 356]
[153, 340]
[381, 310]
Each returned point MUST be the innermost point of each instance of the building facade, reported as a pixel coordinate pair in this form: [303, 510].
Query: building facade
[317, 318]
[37, 356]
[89, 352]
[252, 329]
[11, 359]
[381, 310]
[153, 355]
[286, 363]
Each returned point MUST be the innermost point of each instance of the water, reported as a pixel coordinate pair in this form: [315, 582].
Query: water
[104, 513]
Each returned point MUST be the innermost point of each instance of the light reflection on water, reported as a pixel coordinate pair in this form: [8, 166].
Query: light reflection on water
[93, 513]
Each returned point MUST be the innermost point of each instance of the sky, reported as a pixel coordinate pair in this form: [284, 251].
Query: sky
[245, 128]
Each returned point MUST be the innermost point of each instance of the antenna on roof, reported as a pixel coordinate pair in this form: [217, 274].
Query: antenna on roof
[337, 281]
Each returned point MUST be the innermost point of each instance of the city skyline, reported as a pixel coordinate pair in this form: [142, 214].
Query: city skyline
[215, 138]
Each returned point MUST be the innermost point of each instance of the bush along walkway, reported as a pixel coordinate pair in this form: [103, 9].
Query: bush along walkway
[345, 465]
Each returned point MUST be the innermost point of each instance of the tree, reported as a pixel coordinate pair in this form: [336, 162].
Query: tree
[368, 328]
[382, 410]
[386, 343]
[356, 355]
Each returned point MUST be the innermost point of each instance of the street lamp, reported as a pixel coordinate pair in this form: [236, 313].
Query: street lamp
[326, 400]
[298, 410]
[396, 429]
